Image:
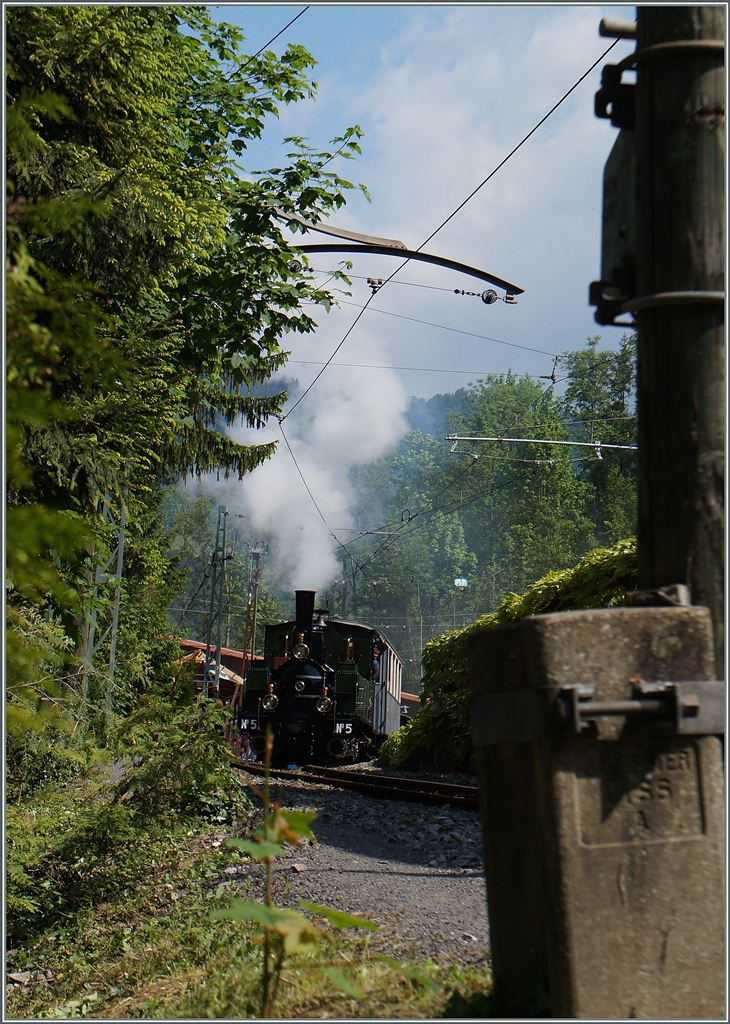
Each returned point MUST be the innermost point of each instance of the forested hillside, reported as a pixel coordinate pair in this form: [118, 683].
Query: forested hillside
[499, 515]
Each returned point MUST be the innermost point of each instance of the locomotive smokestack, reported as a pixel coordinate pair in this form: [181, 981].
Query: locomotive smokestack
[305, 611]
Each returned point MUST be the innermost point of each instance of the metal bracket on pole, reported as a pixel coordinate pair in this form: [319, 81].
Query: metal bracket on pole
[392, 247]
[596, 445]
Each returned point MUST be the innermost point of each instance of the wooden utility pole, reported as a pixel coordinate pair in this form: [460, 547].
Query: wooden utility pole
[598, 733]
[681, 249]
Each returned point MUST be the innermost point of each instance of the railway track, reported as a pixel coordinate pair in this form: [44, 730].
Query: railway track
[387, 786]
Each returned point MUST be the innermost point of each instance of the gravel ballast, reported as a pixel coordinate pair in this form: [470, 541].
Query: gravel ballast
[415, 869]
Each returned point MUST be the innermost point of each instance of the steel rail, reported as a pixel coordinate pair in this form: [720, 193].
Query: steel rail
[388, 786]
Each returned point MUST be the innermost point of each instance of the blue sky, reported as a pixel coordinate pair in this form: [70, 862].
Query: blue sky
[443, 93]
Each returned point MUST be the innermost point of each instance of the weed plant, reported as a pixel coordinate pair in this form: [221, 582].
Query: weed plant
[120, 905]
[80, 842]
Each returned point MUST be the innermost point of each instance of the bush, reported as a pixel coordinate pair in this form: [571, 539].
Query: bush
[34, 761]
[438, 737]
[179, 762]
[76, 843]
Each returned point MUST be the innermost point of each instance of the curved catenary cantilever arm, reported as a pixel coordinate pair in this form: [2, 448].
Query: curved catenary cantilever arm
[391, 247]
[423, 257]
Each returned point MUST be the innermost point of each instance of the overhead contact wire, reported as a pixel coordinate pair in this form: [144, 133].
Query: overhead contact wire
[308, 489]
[451, 215]
[266, 45]
[518, 146]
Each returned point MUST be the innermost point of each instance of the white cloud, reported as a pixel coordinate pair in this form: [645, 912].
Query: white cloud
[450, 93]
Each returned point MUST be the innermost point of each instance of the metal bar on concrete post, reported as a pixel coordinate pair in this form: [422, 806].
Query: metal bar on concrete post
[680, 91]
[604, 847]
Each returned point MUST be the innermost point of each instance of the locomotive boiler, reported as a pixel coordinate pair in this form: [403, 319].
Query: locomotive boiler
[329, 689]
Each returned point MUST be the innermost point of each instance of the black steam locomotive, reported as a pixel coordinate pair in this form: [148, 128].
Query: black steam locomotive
[330, 689]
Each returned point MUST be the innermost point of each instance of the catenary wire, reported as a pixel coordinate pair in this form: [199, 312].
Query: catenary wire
[427, 323]
[339, 346]
[461, 503]
[518, 146]
[273, 39]
[206, 577]
[321, 514]
[424, 369]
[515, 422]
[446, 221]
[309, 492]
[407, 284]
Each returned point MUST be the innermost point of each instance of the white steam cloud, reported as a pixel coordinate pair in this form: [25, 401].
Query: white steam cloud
[351, 417]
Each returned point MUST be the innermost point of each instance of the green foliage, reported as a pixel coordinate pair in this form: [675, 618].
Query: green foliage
[527, 514]
[64, 851]
[439, 736]
[34, 760]
[51, 326]
[149, 288]
[338, 918]
[179, 763]
[75, 843]
[499, 515]
[285, 931]
[146, 135]
[36, 652]
[295, 932]
[599, 400]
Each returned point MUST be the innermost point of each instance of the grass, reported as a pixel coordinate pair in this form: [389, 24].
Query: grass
[152, 951]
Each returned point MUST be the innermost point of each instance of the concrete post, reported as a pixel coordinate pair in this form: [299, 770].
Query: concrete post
[604, 849]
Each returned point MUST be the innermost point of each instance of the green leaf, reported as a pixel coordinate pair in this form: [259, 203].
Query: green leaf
[338, 918]
[259, 851]
[297, 933]
[298, 822]
[340, 981]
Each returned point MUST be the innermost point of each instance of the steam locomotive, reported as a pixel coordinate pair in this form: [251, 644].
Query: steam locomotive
[329, 689]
